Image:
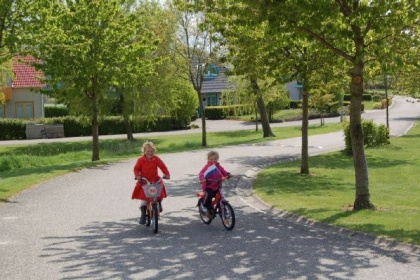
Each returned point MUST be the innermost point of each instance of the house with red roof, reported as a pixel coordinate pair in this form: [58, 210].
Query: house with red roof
[23, 97]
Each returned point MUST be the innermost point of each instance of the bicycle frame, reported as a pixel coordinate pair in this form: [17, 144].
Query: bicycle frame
[220, 206]
[152, 192]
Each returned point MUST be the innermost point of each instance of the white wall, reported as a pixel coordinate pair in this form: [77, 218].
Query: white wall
[26, 96]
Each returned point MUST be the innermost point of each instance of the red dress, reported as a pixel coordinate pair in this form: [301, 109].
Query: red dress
[149, 169]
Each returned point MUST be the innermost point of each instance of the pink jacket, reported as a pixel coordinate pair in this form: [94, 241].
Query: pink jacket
[212, 172]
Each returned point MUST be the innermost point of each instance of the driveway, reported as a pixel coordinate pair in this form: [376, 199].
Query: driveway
[83, 225]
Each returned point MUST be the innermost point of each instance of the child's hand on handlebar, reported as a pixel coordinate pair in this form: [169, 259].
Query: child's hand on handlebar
[228, 176]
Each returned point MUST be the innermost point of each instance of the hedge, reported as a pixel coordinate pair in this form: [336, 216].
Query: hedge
[222, 112]
[14, 129]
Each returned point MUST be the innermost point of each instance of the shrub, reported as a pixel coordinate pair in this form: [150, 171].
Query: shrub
[12, 129]
[56, 111]
[222, 112]
[214, 113]
[295, 104]
[75, 126]
[366, 97]
[374, 135]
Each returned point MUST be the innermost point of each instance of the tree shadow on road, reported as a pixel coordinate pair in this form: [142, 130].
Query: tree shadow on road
[260, 247]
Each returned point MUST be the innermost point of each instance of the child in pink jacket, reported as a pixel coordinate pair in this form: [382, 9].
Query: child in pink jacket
[211, 177]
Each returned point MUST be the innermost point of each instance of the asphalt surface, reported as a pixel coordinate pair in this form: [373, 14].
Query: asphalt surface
[83, 225]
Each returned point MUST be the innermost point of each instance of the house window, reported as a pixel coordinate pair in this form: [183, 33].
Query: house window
[212, 99]
[25, 110]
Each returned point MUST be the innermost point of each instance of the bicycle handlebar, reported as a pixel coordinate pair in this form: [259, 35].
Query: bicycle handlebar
[150, 183]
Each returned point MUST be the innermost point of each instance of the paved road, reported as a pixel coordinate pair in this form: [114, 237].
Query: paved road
[84, 226]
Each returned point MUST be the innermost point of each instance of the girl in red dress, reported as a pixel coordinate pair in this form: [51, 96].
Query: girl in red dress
[147, 166]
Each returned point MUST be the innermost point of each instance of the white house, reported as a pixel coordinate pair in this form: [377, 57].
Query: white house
[23, 99]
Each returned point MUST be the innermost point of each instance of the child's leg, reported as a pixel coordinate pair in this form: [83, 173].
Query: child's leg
[208, 198]
[160, 205]
[143, 204]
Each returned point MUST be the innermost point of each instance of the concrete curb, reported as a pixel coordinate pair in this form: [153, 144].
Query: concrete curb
[244, 190]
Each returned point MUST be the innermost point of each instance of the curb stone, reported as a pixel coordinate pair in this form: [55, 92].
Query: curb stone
[243, 189]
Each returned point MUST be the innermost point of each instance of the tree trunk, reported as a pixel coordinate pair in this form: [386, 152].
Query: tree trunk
[261, 108]
[256, 118]
[128, 128]
[127, 122]
[203, 121]
[362, 200]
[304, 166]
[95, 128]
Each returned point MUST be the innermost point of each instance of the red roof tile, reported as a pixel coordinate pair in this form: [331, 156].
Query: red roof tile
[25, 75]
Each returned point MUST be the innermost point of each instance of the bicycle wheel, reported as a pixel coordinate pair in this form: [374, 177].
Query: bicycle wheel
[205, 217]
[227, 216]
[148, 217]
[155, 218]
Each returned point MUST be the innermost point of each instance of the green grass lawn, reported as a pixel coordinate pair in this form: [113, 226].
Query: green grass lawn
[327, 194]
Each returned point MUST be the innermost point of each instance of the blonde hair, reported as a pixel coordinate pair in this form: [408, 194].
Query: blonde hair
[148, 144]
[212, 153]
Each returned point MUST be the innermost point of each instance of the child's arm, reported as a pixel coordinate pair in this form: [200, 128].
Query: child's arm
[162, 166]
[225, 174]
[137, 170]
[201, 174]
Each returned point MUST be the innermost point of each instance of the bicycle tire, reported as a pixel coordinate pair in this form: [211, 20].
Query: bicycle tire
[227, 216]
[155, 218]
[206, 218]
[147, 218]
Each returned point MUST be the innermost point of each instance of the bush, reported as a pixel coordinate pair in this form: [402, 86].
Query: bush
[81, 125]
[214, 113]
[374, 135]
[12, 129]
[222, 112]
[56, 111]
[366, 97]
[295, 104]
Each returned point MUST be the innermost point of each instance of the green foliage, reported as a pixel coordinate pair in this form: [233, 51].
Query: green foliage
[14, 28]
[374, 135]
[12, 129]
[215, 113]
[366, 97]
[222, 112]
[55, 111]
[75, 126]
[295, 104]
[183, 100]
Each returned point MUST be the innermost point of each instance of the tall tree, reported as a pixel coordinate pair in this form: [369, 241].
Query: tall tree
[139, 63]
[353, 30]
[83, 45]
[244, 49]
[195, 49]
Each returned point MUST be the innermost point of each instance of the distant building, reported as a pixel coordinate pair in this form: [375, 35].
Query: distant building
[294, 89]
[23, 99]
[215, 82]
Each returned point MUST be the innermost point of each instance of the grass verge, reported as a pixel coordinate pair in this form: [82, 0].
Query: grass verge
[327, 194]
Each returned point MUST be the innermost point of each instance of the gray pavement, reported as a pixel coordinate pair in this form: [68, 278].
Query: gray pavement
[83, 225]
